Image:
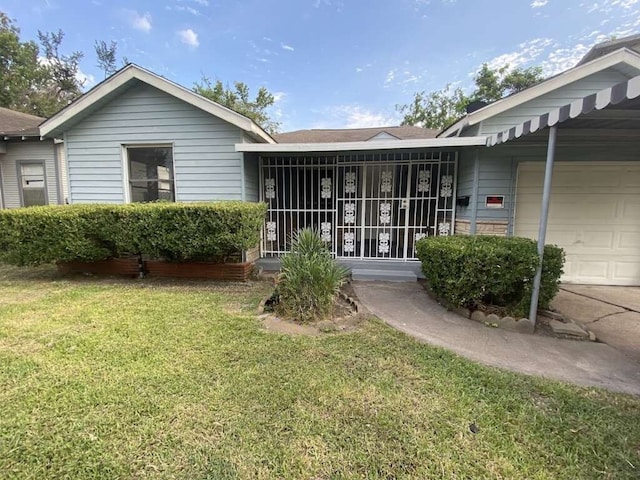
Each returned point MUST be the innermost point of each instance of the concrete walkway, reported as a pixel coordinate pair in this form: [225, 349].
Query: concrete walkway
[407, 307]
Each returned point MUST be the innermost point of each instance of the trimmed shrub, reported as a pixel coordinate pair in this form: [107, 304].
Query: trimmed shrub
[468, 271]
[309, 280]
[170, 231]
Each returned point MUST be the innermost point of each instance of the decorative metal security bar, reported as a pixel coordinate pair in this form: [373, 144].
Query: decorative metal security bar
[366, 206]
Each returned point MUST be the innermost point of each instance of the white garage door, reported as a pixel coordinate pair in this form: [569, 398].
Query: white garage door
[594, 215]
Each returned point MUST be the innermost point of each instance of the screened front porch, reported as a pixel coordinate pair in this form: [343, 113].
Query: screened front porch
[364, 205]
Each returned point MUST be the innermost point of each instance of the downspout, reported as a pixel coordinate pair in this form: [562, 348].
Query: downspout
[544, 214]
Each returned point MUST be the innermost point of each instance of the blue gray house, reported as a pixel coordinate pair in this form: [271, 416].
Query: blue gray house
[31, 168]
[372, 194]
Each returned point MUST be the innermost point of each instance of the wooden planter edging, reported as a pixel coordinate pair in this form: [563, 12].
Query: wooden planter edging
[112, 266]
[237, 272]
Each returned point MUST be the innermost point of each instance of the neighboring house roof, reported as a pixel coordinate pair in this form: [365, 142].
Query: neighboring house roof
[632, 43]
[624, 59]
[615, 95]
[121, 80]
[18, 124]
[355, 134]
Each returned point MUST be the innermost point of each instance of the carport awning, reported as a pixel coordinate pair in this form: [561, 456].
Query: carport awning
[597, 101]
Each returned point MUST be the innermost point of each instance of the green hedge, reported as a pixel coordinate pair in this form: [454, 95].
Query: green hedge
[170, 231]
[470, 270]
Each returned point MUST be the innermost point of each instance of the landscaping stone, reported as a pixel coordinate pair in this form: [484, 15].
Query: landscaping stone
[478, 316]
[570, 329]
[524, 325]
[493, 320]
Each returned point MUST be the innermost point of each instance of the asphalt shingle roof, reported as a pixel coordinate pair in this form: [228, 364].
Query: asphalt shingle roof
[353, 134]
[14, 123]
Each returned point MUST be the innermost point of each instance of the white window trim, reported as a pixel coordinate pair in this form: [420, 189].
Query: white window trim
[126, 185]
[19, 164]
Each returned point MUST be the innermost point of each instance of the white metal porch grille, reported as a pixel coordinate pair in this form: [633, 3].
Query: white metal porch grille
[365, 206]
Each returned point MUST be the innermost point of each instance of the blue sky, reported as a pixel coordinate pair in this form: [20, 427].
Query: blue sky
[331, 63]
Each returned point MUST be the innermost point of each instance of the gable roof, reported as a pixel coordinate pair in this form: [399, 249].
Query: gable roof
[631, 42]
[18, 124]
[620, 93]
[404, 132]
[618, 58]
[95, 97]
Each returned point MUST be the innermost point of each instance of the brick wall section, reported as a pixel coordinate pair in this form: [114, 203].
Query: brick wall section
[252, 255]
[483, 227]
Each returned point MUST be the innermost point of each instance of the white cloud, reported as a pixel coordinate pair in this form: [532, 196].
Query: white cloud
[562, 59]
[527, 53]
[403, 78]
[189, 37]
[204, 3]
[139, 21]
[539, 3]
[184, 8]
[287, 47]
[85, 79]
[391, 75]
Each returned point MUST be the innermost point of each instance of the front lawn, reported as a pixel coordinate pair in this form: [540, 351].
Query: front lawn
[103, 378]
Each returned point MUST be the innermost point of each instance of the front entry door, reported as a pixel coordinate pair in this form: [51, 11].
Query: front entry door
[383, 209]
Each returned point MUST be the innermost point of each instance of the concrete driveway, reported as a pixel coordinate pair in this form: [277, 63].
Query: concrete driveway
[612, 313]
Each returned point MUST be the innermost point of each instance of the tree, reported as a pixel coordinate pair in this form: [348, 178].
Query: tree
[18, 66]
[443, 107]
[58, 83]
[238, 100]
[435, 109]
[106, 54]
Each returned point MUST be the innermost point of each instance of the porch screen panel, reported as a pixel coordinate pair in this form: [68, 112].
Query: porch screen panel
[364, 205]
[299, 192]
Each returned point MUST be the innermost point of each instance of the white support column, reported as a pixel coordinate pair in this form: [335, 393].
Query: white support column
[544, 214]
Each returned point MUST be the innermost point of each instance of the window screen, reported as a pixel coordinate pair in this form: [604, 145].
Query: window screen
[151, 173]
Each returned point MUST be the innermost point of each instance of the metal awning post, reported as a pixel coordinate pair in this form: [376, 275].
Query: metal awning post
[544, 214]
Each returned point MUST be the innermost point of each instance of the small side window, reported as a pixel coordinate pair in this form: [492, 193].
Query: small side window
[32, 184]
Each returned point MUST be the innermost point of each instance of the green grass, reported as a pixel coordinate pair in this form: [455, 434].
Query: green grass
[103, 378]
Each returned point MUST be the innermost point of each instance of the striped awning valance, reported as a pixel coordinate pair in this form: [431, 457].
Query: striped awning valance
[609, 96]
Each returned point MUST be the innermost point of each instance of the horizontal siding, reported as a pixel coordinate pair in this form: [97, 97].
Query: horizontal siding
[25, 151]
[465, 181]
[207, 167]
[495, 178]
[557, 98]
[251, 173]
[498, 170]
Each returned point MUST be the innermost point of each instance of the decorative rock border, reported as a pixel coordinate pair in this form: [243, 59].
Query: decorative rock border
[522, 325]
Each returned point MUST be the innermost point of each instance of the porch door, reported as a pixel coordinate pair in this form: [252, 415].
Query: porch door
[383, 209]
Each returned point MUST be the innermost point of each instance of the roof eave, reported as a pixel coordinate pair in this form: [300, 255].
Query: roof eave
[622, 55]
[451, 142]
[56, 124]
